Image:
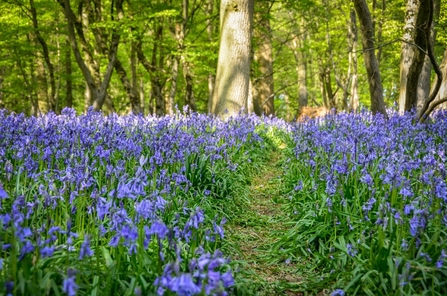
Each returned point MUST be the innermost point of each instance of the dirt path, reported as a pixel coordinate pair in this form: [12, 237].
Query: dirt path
[262, 222]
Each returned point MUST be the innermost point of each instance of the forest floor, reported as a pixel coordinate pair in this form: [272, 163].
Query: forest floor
[261, 223]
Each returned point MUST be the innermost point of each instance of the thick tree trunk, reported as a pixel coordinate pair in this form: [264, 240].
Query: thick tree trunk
[263, 56]
[233, 67]
[417, 61]
[371, 64]
[423, 90]
[353, 44]
[407, 52]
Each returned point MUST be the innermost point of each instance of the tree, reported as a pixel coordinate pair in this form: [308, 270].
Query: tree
[263, 58]
[233, 66]
[413, 52]
[97, 88]
[371, 63]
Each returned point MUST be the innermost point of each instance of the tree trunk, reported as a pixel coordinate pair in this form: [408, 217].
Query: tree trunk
[2, 78]
[134, 77]
[68, 77]
[407, 52]
[353, 44]
[98, 91]
[263, 55]
[233, 66]
[209, 30]
[417, 61]
[173, 90]
[443, 89]
[51, 98]
[132, 95]
[423, 90]
[371, 64]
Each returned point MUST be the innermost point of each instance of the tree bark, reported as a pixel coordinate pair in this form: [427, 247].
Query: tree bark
[233, 66]
[68, 77]
[46, 56]
[353, 44]
[423, 90]
[209, 30]
[132, 95]
[417, 62]
[263, 56]
[97, 91]
[371, 64]
[2, 78]
[407, 52]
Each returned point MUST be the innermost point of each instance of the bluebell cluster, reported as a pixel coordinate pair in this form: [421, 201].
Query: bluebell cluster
[85, 196]
[367, 191]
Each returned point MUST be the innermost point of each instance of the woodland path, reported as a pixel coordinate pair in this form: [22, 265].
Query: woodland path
[264, 270]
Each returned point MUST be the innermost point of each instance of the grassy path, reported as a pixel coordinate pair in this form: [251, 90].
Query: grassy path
[261, 223]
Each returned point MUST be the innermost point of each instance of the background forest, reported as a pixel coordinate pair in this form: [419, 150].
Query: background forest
[303, 53]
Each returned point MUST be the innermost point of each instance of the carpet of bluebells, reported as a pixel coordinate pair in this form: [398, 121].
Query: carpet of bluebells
[110, 205]
[133, 205]
[369, 201]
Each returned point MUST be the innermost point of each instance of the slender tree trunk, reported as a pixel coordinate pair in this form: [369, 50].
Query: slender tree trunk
[132, 95]
[46, 56]
[443, 88]
[98, 92]
[134, 77]
[353, 44]
[371, 64]
[68, 77]
[189, 94]
[233, 67]
[209, 30]
[297, 44]
[174, 79]
[2, 95]
[263, 55]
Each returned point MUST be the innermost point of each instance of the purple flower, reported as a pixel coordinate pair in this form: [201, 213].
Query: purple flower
[85, 248]
[338, 292]
[414, 225]
[3, 193]
[9, 286]
[227, 279]
[47, 251]
[184, 285]
[351, 250]
[69, 284]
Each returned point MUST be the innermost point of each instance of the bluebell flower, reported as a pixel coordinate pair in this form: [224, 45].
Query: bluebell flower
[69, 285]
[47, 251]
[184, 285]
[3, 193]
[338, 292]
[85, 248]
[351, 250]
[9, 286]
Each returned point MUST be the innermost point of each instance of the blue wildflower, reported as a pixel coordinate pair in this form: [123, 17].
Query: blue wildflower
[69, 285]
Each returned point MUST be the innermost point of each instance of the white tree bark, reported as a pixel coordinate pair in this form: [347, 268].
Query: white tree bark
[233, 66]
